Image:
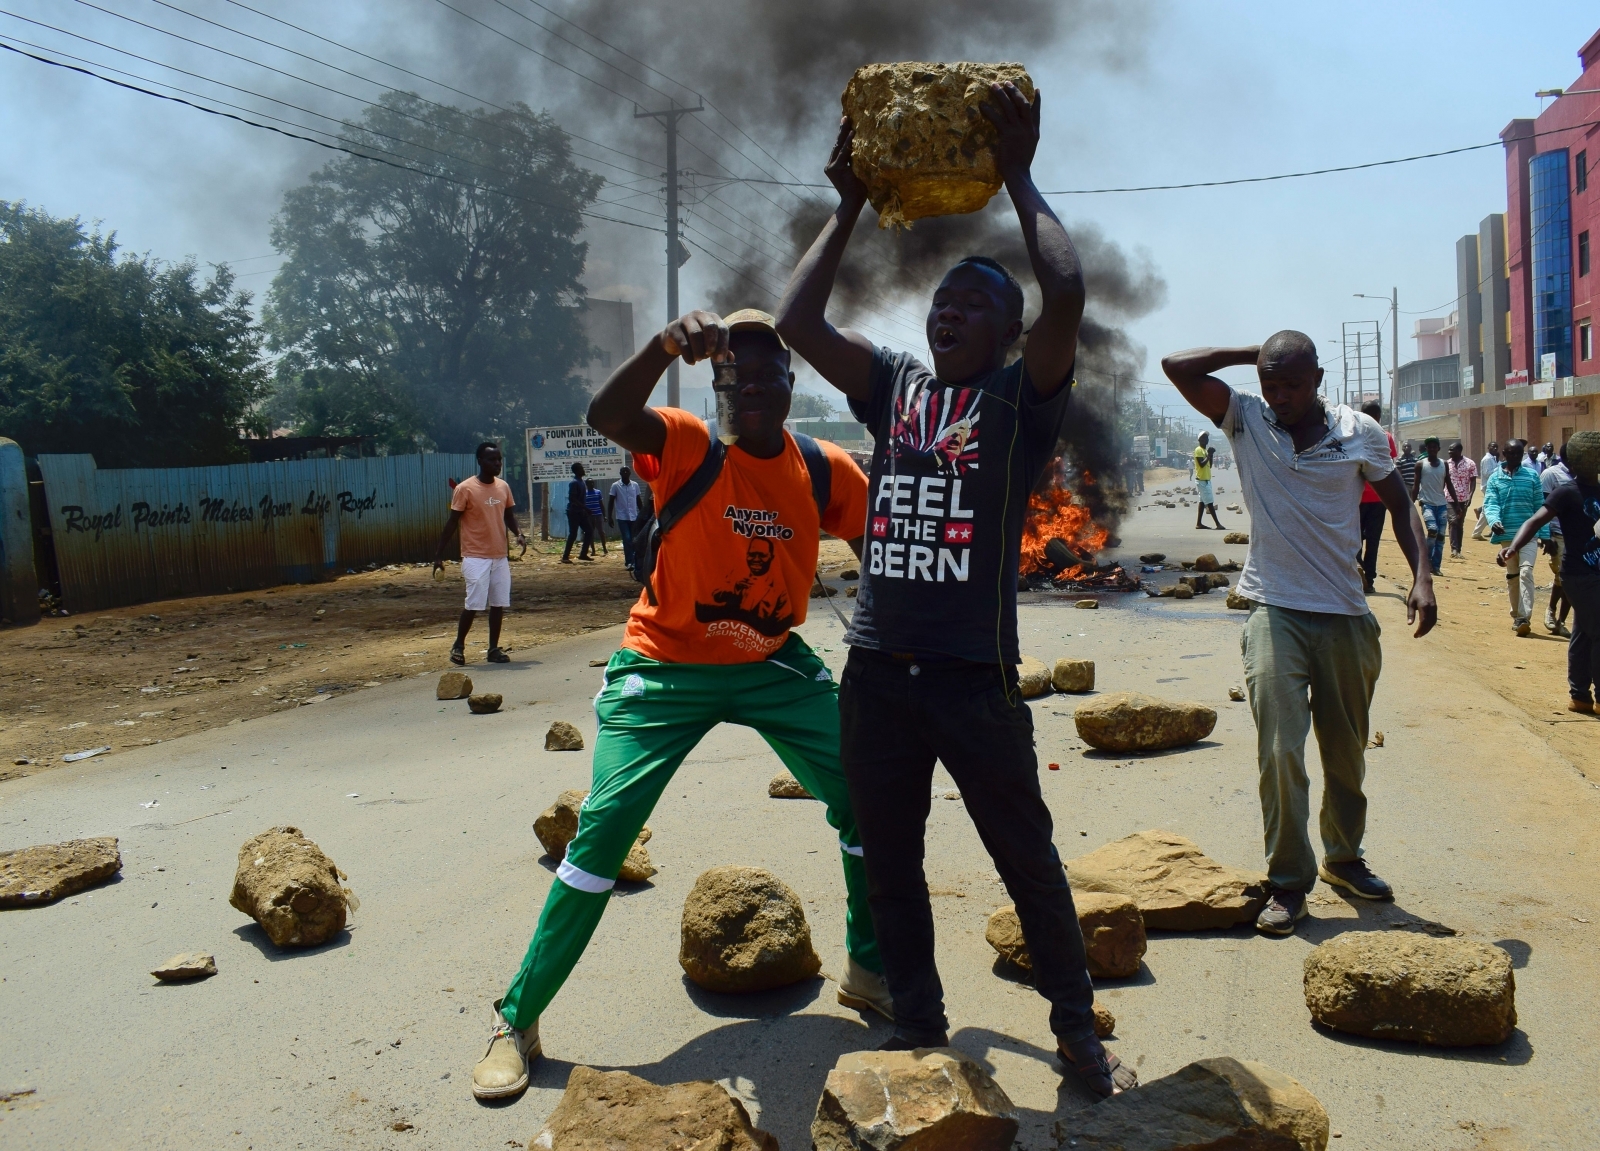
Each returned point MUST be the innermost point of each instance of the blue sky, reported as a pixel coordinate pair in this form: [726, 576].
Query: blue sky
[1207, 91]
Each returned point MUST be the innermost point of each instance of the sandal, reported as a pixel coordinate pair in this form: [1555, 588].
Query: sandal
[1098, 1069]
[458, 656]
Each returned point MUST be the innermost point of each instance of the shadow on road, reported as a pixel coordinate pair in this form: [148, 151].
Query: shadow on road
[1138, 756]
[253, 934]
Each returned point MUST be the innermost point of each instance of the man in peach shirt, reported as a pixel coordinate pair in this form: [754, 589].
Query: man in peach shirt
[481, 509]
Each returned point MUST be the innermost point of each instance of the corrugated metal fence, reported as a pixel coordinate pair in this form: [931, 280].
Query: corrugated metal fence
[139, 534]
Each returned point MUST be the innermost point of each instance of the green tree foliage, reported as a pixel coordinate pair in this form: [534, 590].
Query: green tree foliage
[130, 359]
[808, 405]
[434, 310]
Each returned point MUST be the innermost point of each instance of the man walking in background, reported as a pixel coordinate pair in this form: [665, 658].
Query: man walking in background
[1510, 495]
[1429, 491]
[1406, 465]
[1461, 480]
[577, 516]
[1373, 513]
[595, 506]
[622, 506]
[481, 510]
[1204, 456]
[1555, 613]
[1486, 468]
[1310, 644]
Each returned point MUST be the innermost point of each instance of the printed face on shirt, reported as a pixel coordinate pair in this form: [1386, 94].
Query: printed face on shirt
[758, 558]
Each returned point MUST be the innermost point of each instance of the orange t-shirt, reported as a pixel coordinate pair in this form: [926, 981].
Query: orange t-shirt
[483, 516]
[735, 574]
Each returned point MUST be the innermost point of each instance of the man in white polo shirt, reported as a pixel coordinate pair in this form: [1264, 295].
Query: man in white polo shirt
[1311, 652]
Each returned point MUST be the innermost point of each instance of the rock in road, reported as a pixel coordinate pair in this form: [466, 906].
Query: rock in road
[285, 883]
[1176, 885]
[50, 871]
[1396, 985]
[931, 1099]
[612, 1110]
[1133, 721]
[1113, 934]
[744, 930]
[557, 826]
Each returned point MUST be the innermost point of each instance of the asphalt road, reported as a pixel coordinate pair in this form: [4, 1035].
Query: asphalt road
[429, 809]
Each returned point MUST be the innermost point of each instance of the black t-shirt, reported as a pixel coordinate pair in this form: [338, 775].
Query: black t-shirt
[951, 474]
[1577, 508]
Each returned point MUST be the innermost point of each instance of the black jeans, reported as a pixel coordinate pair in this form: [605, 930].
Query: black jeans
[896, 717]
[578, 524]
[1583, 650]
[1372, 518]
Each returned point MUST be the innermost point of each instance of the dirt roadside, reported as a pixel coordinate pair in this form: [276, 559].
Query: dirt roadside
[137, 675]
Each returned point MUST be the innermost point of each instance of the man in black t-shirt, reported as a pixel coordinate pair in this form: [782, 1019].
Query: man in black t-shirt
[932, 667]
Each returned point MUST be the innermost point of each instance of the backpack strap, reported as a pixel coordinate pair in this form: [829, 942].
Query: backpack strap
[695, 487]
[820, 470]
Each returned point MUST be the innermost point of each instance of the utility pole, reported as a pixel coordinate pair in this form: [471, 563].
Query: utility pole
[1394, 378]
[677, 254]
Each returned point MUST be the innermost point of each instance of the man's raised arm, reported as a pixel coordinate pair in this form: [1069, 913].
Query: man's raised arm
[1053, 340]
[841, 356]
[620, 411]
[1191, 372]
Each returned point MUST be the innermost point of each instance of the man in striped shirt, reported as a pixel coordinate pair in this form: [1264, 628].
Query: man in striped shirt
[1511, 494]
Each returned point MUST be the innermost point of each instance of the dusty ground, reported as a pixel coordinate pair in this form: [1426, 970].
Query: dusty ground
[152, 672]
[144, 674]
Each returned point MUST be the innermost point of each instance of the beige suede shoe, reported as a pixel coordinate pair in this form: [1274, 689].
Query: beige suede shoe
[503, 1070]
[863, 990]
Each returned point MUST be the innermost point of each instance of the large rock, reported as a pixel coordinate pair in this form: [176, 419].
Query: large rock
[922, 147]
[51, 871]
[1073, 675]
[562, 736]
[1213, 1105]
[615, 1111]
[1236, 537]
[1238, 602]
[1033, 677]
[744, 930]
[1133, 721]
[1396, 985]
[931, 1099]
[1113, 934]
[1104, 1022]
[1177, 887]
[454, 685]
[486, 704]
[285, 883]
[557, 826]
[786, 786]
[1207, 563]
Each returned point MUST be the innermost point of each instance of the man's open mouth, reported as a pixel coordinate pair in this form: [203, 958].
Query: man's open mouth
[945, 338]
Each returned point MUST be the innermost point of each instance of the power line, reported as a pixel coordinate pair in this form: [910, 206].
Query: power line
[310, 139]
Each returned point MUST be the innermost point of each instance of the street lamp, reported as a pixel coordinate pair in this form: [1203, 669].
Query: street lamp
[1393, 300]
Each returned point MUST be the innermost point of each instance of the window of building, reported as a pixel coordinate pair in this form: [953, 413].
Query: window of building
[1581, 163]
[1585, 341]
[1583, 253]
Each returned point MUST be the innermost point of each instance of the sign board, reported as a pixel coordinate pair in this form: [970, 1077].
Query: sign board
[553, 451]
[1469, 379]
[1568, 407]
[1547, 366]
[1161, 448]
[1410, 411]
[1517, 379]
[1141, 445]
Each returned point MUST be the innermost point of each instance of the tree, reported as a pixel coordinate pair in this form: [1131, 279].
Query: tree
[809, 405]
[436, 308]
[130, 359]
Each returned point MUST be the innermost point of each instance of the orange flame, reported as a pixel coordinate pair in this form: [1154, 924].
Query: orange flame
[1054, 514]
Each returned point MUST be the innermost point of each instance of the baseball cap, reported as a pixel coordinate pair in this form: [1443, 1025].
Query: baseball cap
[754, 320]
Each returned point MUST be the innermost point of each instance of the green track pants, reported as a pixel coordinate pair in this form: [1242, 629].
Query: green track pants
[651, 717]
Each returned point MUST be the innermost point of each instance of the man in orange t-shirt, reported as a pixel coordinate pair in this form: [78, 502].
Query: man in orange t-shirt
[711, 645]
[480, 508]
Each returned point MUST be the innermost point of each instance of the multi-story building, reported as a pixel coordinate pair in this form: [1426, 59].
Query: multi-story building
[1429, 380]
[1531, 370]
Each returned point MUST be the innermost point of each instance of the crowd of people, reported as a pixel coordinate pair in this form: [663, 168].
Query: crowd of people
[932, 672]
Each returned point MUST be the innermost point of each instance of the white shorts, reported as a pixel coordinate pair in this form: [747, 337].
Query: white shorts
[1204, 487]
[488, 582]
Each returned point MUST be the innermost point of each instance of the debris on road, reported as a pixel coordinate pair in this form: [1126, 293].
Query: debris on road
[47, 872]
[453, 685]
[1175, 884]
[1133, 721]
[186, 966]
[557, 826]
[1238, 602]
[1399, 985]
[745, 930]
[1377, 739]
[1033, 677]
[1073, 675]
[1236, 537]
[1236, 694]
[934, 1098]
[562, 736]
[90, 754]
[1113, 934]
[1087, 604]
[1104, 1022]
[615, 1109]
[1220, 1102]
[786, 786]
[486, 704]
[287, 885]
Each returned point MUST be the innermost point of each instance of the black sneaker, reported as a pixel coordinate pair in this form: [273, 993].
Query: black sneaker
[458, 656]
[900, 1041]
[497, 656]
[1357, 877]
[1283, 910]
